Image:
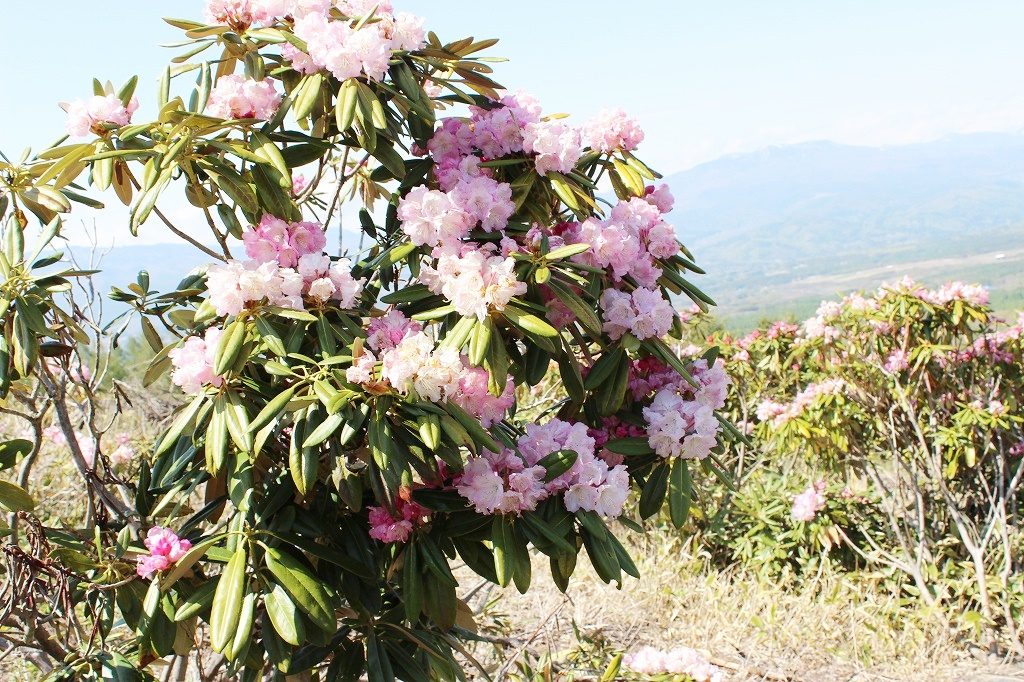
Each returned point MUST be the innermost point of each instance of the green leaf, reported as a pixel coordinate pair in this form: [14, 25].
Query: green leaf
[284, 616]
[14, 497]
[13, 450]
[653, 494]
[227, 601]
[557, 463]
[307, 590]
[634, 446]
[680, 488]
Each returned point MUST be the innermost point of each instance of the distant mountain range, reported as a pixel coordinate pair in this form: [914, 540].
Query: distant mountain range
[779, 229]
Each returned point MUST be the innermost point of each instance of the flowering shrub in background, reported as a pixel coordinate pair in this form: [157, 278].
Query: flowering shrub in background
[887, 437]
[350, 421]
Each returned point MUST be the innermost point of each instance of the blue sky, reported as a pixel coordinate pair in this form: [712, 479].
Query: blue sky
[704, 78]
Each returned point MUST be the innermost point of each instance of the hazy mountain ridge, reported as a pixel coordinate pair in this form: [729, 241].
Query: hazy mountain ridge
[765, 224]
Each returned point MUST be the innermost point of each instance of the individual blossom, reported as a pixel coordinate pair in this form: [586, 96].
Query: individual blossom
[807, 504]
[237, 97]
[613, 130]
[660, 197]
[97, 113]
[193, 362]
[556, 144]
[165, 549]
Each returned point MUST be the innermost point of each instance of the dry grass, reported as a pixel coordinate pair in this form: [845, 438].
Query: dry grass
[828, 628]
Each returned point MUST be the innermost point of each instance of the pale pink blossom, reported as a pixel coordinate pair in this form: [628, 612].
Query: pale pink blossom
[679, 661]
[97, 113]
[645, 313]
[556, 144]
[613, 130]
[473, 280]
[475, 397]
[237, 97]
[386, 527]
[193, 362]
[807, 504]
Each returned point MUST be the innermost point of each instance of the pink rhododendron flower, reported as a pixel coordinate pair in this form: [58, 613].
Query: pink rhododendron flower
[612, 130]
[241, 14]
[93, 114]
[237, 97]
[193, 361]
[487, 201]
[556, 144]
[475, 397]
[386, 332]
[780, 413]
[431, 217]
[165, 549]
[388, 528]
[501, 483]
[660, 197]
[347, 52]
[897, 361]
[414, 365]
[474, 281]
[807, 504]
[125, 453]
[645, 313]
[679, 661]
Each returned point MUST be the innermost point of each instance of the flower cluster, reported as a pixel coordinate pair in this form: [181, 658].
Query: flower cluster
[513, 482]
[349, 52]
[98, 113]
[644, 313]
[807, 504]
[613, 130]
[679, 661]
[681, 419]
[193, 361]
[397, 526]
[276, 240]
[556, 144]
[410, 364]
[237, 97]
[165, 549]
[474, 280]
[781, 413]
[287, 263]
[630, 240]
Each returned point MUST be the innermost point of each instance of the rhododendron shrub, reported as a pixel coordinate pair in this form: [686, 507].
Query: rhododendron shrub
[897, 414]
[349, 427]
